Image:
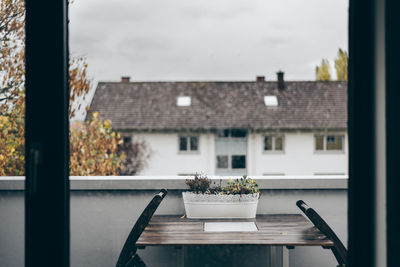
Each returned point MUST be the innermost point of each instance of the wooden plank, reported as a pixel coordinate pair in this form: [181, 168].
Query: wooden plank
[279, 230]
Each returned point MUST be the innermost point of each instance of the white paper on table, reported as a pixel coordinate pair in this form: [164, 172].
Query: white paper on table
[230, 227]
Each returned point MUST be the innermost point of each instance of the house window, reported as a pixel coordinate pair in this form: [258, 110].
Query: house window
[334, 142]
[233, 133]
[127, 139]
[223, 133]
[222, 162]
[188, 143]
[273, 143]
[239, 162]
[319, 142]
[329, 142]
[194, 143]
[183, 143]
[236, 162]
[238, 133]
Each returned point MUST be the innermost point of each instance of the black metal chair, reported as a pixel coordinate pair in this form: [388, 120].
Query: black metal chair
[338, 249]
[128, 256]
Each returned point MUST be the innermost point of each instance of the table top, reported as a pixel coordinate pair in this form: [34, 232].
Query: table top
[276, 229]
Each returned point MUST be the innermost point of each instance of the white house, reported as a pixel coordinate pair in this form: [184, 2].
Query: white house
[232, 128]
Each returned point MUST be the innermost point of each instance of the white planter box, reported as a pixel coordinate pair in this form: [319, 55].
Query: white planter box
[204, 206]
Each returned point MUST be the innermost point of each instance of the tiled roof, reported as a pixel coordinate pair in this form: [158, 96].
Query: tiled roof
[218, 105]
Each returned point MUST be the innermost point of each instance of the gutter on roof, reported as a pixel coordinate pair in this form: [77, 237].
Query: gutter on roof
[213, 130]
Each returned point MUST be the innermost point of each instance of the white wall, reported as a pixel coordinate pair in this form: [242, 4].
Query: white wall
[298, 158]
[166, 159]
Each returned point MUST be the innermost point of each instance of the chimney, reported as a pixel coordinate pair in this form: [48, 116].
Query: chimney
[281, 82]
[125, 79]
[260, 78]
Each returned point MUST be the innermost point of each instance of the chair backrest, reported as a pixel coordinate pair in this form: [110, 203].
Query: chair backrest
[339, 250]
[129, 249]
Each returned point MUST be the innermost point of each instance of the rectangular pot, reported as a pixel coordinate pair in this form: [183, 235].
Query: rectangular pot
[213, 209]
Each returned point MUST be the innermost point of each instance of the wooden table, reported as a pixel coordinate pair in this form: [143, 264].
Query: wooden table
[279, 232]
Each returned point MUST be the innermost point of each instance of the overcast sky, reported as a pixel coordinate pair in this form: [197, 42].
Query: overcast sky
[156, 40]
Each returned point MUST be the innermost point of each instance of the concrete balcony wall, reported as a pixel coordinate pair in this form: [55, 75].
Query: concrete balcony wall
[104, 209]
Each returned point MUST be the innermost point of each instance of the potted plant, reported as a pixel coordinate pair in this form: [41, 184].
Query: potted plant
[237, 199]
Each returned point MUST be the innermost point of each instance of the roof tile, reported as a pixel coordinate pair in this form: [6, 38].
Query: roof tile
[216, 105]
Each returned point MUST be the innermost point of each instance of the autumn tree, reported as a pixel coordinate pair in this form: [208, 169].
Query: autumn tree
[94, 148]
[12, 150]
[12, 48]
[12, 81]
[341, 65]
[94, 145]
[323, 71]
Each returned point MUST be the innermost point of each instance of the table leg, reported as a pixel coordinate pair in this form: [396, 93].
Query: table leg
[285, 257]
[273, 256]
[181, 253]
[279, 256]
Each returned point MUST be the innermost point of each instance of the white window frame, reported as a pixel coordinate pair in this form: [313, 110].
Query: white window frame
[325, 141]
[273, 150]
[188, 151]
[230, 162]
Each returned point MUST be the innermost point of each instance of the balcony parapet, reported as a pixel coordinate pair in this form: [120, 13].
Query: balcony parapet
[178, 182]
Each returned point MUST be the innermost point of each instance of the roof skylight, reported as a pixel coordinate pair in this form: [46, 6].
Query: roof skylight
[271, 101]
[183, 101]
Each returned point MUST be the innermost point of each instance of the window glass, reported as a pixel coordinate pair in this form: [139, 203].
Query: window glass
[279, 143]
[334, 142]
[194, 143]
[331, 139]
[268, 143]
[223, 133]
[319, 142]
[182, 143]
[238, 162]
[127, 139]
[238, 133]
[222, 162]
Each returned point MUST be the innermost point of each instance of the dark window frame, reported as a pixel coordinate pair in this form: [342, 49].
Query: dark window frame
[47, 144]
[392, 57]
[47, 33]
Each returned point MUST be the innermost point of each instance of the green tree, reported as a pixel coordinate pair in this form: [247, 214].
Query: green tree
[341, 65]
[323, 71]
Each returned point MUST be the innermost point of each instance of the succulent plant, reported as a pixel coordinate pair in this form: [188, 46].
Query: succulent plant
[201, 184]
[244, 185]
